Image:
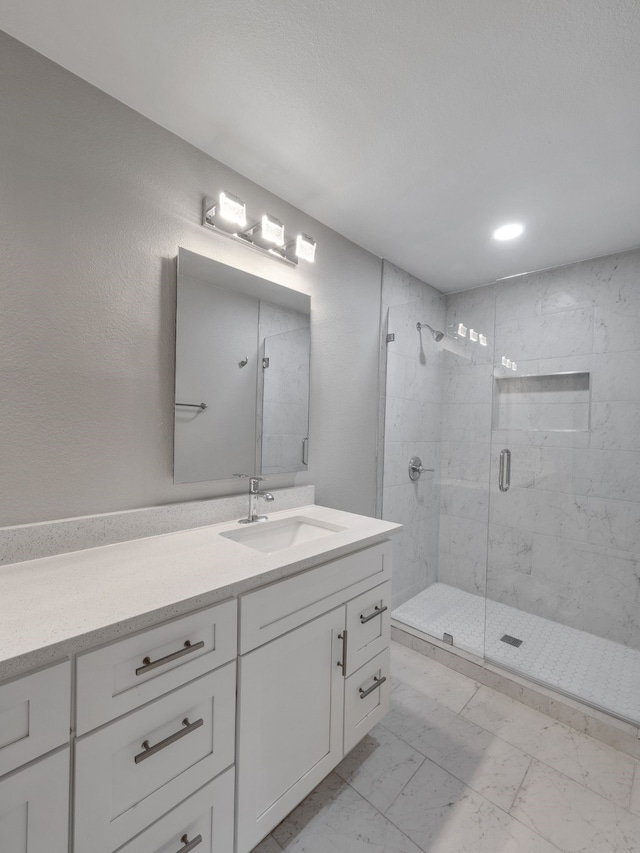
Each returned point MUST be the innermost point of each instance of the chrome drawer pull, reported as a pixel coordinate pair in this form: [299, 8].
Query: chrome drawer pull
[149, 664]
[343, 663]
[149, 750]
[189, 845]
[377, 612]
[377, 682]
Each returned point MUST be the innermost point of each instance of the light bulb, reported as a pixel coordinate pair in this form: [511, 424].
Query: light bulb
[306, 248]
[272, 230]
[232, 209]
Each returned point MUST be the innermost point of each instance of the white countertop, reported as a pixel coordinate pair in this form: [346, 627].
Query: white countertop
[54, 606]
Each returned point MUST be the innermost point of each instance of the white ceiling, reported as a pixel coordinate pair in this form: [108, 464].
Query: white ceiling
[413, 127]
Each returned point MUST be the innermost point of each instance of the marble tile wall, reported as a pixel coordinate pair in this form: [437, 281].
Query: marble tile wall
[283, 390]
[285, 414]
[564, 541]
[411, 394]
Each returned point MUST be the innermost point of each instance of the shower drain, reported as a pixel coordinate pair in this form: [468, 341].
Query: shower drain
[511, 641]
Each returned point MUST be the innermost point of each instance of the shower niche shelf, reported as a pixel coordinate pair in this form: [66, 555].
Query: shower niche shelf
[552, 402]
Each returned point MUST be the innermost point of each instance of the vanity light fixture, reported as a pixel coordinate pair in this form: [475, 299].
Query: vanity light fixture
[271, 230]
[305, 249]
[473, 335]
[462, 330]
[508, 232]
[230, 211]
[483, 341]
[230, 208]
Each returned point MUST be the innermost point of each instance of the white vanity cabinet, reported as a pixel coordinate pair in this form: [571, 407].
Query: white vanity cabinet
[202, 732]
[35, 716]
[304, 701]
[177, 733]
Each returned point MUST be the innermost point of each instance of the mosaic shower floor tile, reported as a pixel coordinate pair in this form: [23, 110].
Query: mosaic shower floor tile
[590, 668]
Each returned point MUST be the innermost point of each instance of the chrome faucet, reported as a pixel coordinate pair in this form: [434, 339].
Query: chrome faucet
[254, 494]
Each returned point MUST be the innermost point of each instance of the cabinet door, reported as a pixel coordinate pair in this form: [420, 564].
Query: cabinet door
[366, 699]
[131, 772]
[290, 723]
[34, 807]
[124, 675]
[368, 625]
[204, 821]
[35, 715]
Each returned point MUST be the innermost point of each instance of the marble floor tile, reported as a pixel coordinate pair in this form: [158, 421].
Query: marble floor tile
[572, 817]
[425, 675]
[485, 763]
[379, 767]
[336, 818]
[601, 768]
[442, 815]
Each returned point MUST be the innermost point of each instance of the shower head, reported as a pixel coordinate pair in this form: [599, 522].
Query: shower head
[438, 336]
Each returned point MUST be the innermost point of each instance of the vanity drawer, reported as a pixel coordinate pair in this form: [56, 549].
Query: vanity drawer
[122, 785]
[269, 612]
[368, 625]
[366, 699]
[34, 807]
[35, 715]
[207, 815]
[131, 672]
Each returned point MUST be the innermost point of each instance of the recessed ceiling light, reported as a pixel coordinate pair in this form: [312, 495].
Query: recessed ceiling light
[508, 232]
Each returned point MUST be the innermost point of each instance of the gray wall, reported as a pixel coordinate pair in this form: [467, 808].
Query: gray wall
[96, 200]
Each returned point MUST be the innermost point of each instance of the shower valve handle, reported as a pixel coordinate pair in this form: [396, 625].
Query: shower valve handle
[416, 468]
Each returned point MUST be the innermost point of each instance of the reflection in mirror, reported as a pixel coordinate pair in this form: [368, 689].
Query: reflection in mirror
[242, 349]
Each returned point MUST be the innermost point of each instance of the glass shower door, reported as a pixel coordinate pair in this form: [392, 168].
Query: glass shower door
[437, 406]
[563, 545]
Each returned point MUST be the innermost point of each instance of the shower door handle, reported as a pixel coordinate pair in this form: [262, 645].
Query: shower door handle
[504, 472]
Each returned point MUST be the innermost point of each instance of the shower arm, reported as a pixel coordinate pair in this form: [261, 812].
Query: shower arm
[437, 334]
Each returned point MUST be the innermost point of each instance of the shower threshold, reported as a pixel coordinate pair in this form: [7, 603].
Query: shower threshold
[599, 672]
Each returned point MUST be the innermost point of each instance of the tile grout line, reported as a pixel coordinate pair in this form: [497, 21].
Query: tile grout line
[424, 758]
[526, 773]
[473, 695]
[633, 783]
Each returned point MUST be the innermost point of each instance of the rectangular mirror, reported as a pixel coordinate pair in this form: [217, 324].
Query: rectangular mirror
[242, 373]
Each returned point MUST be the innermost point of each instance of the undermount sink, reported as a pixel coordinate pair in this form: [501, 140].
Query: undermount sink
[270, 536]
